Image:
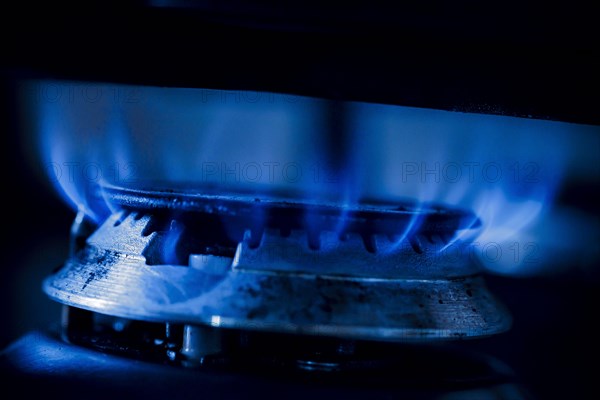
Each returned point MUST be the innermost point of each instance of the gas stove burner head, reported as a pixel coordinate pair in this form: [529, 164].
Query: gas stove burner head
[262, 263]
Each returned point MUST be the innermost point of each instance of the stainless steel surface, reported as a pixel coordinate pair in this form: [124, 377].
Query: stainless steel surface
[387, 258]
[409, 300]
[200, 341]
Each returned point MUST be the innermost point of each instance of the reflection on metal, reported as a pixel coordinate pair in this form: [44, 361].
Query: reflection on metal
[200, 341]
[390, 259]
[279, 283]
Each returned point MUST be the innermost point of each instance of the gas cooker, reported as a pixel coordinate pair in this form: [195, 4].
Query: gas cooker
[207, 261]
[130, 326]
[267, 290]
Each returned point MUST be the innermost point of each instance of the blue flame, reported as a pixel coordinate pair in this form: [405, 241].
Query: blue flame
[170, 242]
[507, 170]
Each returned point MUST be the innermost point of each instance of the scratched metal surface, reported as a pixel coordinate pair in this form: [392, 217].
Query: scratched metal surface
[263, 289]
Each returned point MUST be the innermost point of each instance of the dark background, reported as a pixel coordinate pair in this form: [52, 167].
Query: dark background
[36, 226]
[553, 340]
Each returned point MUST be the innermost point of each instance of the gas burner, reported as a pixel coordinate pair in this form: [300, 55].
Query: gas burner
[203, 264]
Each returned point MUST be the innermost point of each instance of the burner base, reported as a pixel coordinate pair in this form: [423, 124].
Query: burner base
[41, 361]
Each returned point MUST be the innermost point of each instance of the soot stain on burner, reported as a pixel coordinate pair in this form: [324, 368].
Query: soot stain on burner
[89, 280]
[96, 275]
[258, 312]
[103, 260]
[270, 291]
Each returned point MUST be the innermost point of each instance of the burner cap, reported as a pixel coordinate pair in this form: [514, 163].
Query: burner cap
[268, 263]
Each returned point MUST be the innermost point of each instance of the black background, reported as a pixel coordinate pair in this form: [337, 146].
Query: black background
[553, 340]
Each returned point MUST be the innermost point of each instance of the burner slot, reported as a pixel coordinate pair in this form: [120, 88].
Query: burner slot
[122, 232]
[386, 258]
